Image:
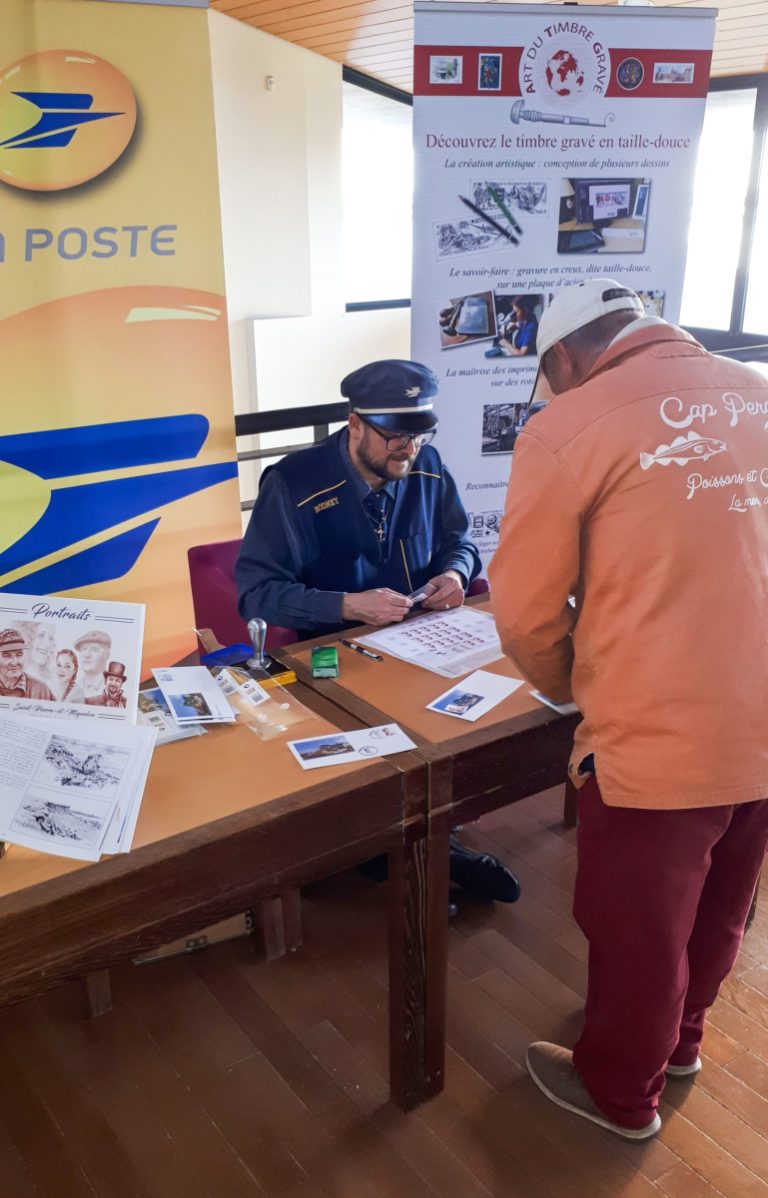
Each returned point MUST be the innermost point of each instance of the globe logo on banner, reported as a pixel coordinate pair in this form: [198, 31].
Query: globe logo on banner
[565, 64]
[65, 118]
[564, 75]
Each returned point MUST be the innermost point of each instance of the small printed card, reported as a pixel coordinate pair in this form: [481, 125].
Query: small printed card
[192, 696]
[338, 748]
[561, 708]
[236, 682]
[475, 695]
[155, 713]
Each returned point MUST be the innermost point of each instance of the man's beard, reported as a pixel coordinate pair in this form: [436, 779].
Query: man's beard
[379, 470]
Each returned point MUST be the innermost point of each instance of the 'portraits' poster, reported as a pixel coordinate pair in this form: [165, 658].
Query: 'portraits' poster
[66, 658]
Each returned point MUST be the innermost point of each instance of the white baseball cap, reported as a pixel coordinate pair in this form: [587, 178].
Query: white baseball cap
[573, 307]
[579, 304]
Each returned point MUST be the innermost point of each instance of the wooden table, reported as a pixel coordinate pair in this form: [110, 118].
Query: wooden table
[517, 749]
[227, 820]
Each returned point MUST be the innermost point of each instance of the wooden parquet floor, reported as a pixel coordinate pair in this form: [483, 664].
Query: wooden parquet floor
[218, 1076]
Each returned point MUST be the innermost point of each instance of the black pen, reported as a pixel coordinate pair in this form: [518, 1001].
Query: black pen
[360, 649]
[489, 220]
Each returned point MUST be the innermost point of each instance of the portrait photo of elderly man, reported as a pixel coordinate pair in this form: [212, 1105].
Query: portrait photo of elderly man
[14, 681]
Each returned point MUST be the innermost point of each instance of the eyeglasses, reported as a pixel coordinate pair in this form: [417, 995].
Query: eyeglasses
[397, 441]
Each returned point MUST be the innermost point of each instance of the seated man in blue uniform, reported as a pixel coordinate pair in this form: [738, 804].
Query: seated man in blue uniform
[344, 531]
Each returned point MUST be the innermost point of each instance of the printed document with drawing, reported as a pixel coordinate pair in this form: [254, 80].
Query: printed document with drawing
[71, 789]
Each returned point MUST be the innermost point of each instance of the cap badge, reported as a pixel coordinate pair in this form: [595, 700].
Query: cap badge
[412, 392]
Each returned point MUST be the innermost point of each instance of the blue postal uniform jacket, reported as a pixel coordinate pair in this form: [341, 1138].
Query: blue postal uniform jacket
[310, 539]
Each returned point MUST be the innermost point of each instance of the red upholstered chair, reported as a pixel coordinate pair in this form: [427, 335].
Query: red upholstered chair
[214, 596]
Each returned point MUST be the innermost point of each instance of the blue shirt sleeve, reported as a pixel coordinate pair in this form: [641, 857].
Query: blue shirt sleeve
[270, 567]
[525, 338]
[456, 550]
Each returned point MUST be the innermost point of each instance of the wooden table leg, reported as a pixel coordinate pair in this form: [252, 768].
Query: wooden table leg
[99, 993]
[418, 939]
[277, 924]
[438, 847]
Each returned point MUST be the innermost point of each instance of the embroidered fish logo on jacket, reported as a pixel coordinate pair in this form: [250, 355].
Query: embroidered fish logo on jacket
[690, 448]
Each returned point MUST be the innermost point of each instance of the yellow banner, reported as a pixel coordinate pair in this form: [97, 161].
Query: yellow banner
[116, 442]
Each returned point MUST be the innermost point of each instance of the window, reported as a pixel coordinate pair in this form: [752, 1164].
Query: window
[377, 163]
[720, 188]
[756, 310]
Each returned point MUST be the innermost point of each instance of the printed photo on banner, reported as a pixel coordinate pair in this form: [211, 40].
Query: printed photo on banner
[603, 216]
[517, 324]
[629, 74]
[489, 73]
[466, 319]
[653, 302]
[526, 196]
[459, 236]
[484, 526]
[673, 72]
[502, 422]
[68, 657]
[446, 68]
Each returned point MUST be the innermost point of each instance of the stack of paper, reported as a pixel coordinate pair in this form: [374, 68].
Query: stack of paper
[69, 788]
[192, 696]
[155, 713]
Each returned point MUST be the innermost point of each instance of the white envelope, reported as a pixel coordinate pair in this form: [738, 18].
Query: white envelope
[338, 748]
[474, 695]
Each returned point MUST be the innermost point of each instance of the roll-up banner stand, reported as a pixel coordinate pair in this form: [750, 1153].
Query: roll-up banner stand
[117, 438]
[552, 143]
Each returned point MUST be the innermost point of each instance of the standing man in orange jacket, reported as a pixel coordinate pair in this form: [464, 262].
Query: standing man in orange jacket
[642, 490]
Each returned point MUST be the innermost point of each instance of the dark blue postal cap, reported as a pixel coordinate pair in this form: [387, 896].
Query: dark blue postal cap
[393, 394]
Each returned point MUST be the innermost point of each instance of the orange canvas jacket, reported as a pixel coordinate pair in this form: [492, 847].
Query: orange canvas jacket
[644, 493]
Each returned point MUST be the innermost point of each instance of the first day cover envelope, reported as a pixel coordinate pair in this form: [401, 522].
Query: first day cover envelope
[475, 695]
[337, 748]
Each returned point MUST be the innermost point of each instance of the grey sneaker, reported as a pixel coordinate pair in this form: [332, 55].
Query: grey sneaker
[553, 1071]
[684, 1070]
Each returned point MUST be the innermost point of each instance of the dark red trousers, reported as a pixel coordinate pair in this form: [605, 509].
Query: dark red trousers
[662, 897]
